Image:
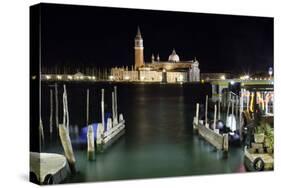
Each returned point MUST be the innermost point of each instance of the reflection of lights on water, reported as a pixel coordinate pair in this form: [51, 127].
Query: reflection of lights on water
[252, 103]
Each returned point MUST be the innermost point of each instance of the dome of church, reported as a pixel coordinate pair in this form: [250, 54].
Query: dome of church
[174, 57]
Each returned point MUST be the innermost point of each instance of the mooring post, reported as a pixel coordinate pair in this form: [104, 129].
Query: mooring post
[87, 108]
[115, 96]
[247, 100]
[100, 129]
[102, 107]
[236, 105]
[215, 117]
[206, 112]
[225, 144]
[113, 105]
[66, 119]
[232, 110]
[219, 110]
[240, 114]
[64, 135]
[228, 106]
[41, 132]
[51, 111]
[57, 105]
[109, 124]
[197, 113]
[91, 143]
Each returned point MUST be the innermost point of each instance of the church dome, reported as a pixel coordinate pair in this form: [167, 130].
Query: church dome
[174, 57]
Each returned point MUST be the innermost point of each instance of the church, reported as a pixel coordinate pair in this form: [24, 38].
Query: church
[171, 71]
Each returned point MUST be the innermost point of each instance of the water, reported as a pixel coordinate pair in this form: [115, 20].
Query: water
[159, 141]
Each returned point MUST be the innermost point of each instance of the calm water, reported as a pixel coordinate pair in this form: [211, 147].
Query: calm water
[159, 140]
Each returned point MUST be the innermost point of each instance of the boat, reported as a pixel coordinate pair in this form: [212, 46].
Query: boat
[48, 168]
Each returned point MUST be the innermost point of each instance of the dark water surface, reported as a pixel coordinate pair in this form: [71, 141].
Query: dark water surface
[159, 141]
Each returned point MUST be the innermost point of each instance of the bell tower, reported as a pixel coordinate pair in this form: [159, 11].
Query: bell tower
[139, 60]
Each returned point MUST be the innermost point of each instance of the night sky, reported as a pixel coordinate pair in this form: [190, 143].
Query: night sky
[86, 36]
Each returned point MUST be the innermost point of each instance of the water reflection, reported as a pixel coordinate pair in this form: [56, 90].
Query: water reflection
[159, 140]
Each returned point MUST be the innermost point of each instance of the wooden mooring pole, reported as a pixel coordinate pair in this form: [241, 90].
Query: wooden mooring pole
[51, 111]
[102, 107]
[91, 143]
[215, 117]
[115, 101]
[57, 105]
[64, 135]
[197, 113]
[87, 108]
[206, 112]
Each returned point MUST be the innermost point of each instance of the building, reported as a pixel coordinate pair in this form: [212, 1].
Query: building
[173, 70]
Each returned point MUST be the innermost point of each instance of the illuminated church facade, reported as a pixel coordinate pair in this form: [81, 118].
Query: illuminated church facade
[171, 71]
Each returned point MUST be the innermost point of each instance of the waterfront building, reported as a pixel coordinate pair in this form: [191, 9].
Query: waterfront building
[173, 70]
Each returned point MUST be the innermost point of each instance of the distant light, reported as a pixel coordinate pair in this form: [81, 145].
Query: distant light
[127, 77]
[59, 77]
[81, 77]
[222, 77]
[202, 81]
[69, 77]
[164, 70]
[232, 82]
[270, 71]
[245, 77]
[48, 77]
[33, 77]
[111, 77]
[180, 78]
[142, 78]
[93, 77]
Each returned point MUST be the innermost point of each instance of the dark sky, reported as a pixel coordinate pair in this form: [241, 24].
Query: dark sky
[84, 36]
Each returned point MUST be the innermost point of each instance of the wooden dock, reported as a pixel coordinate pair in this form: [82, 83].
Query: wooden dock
[217, 140]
